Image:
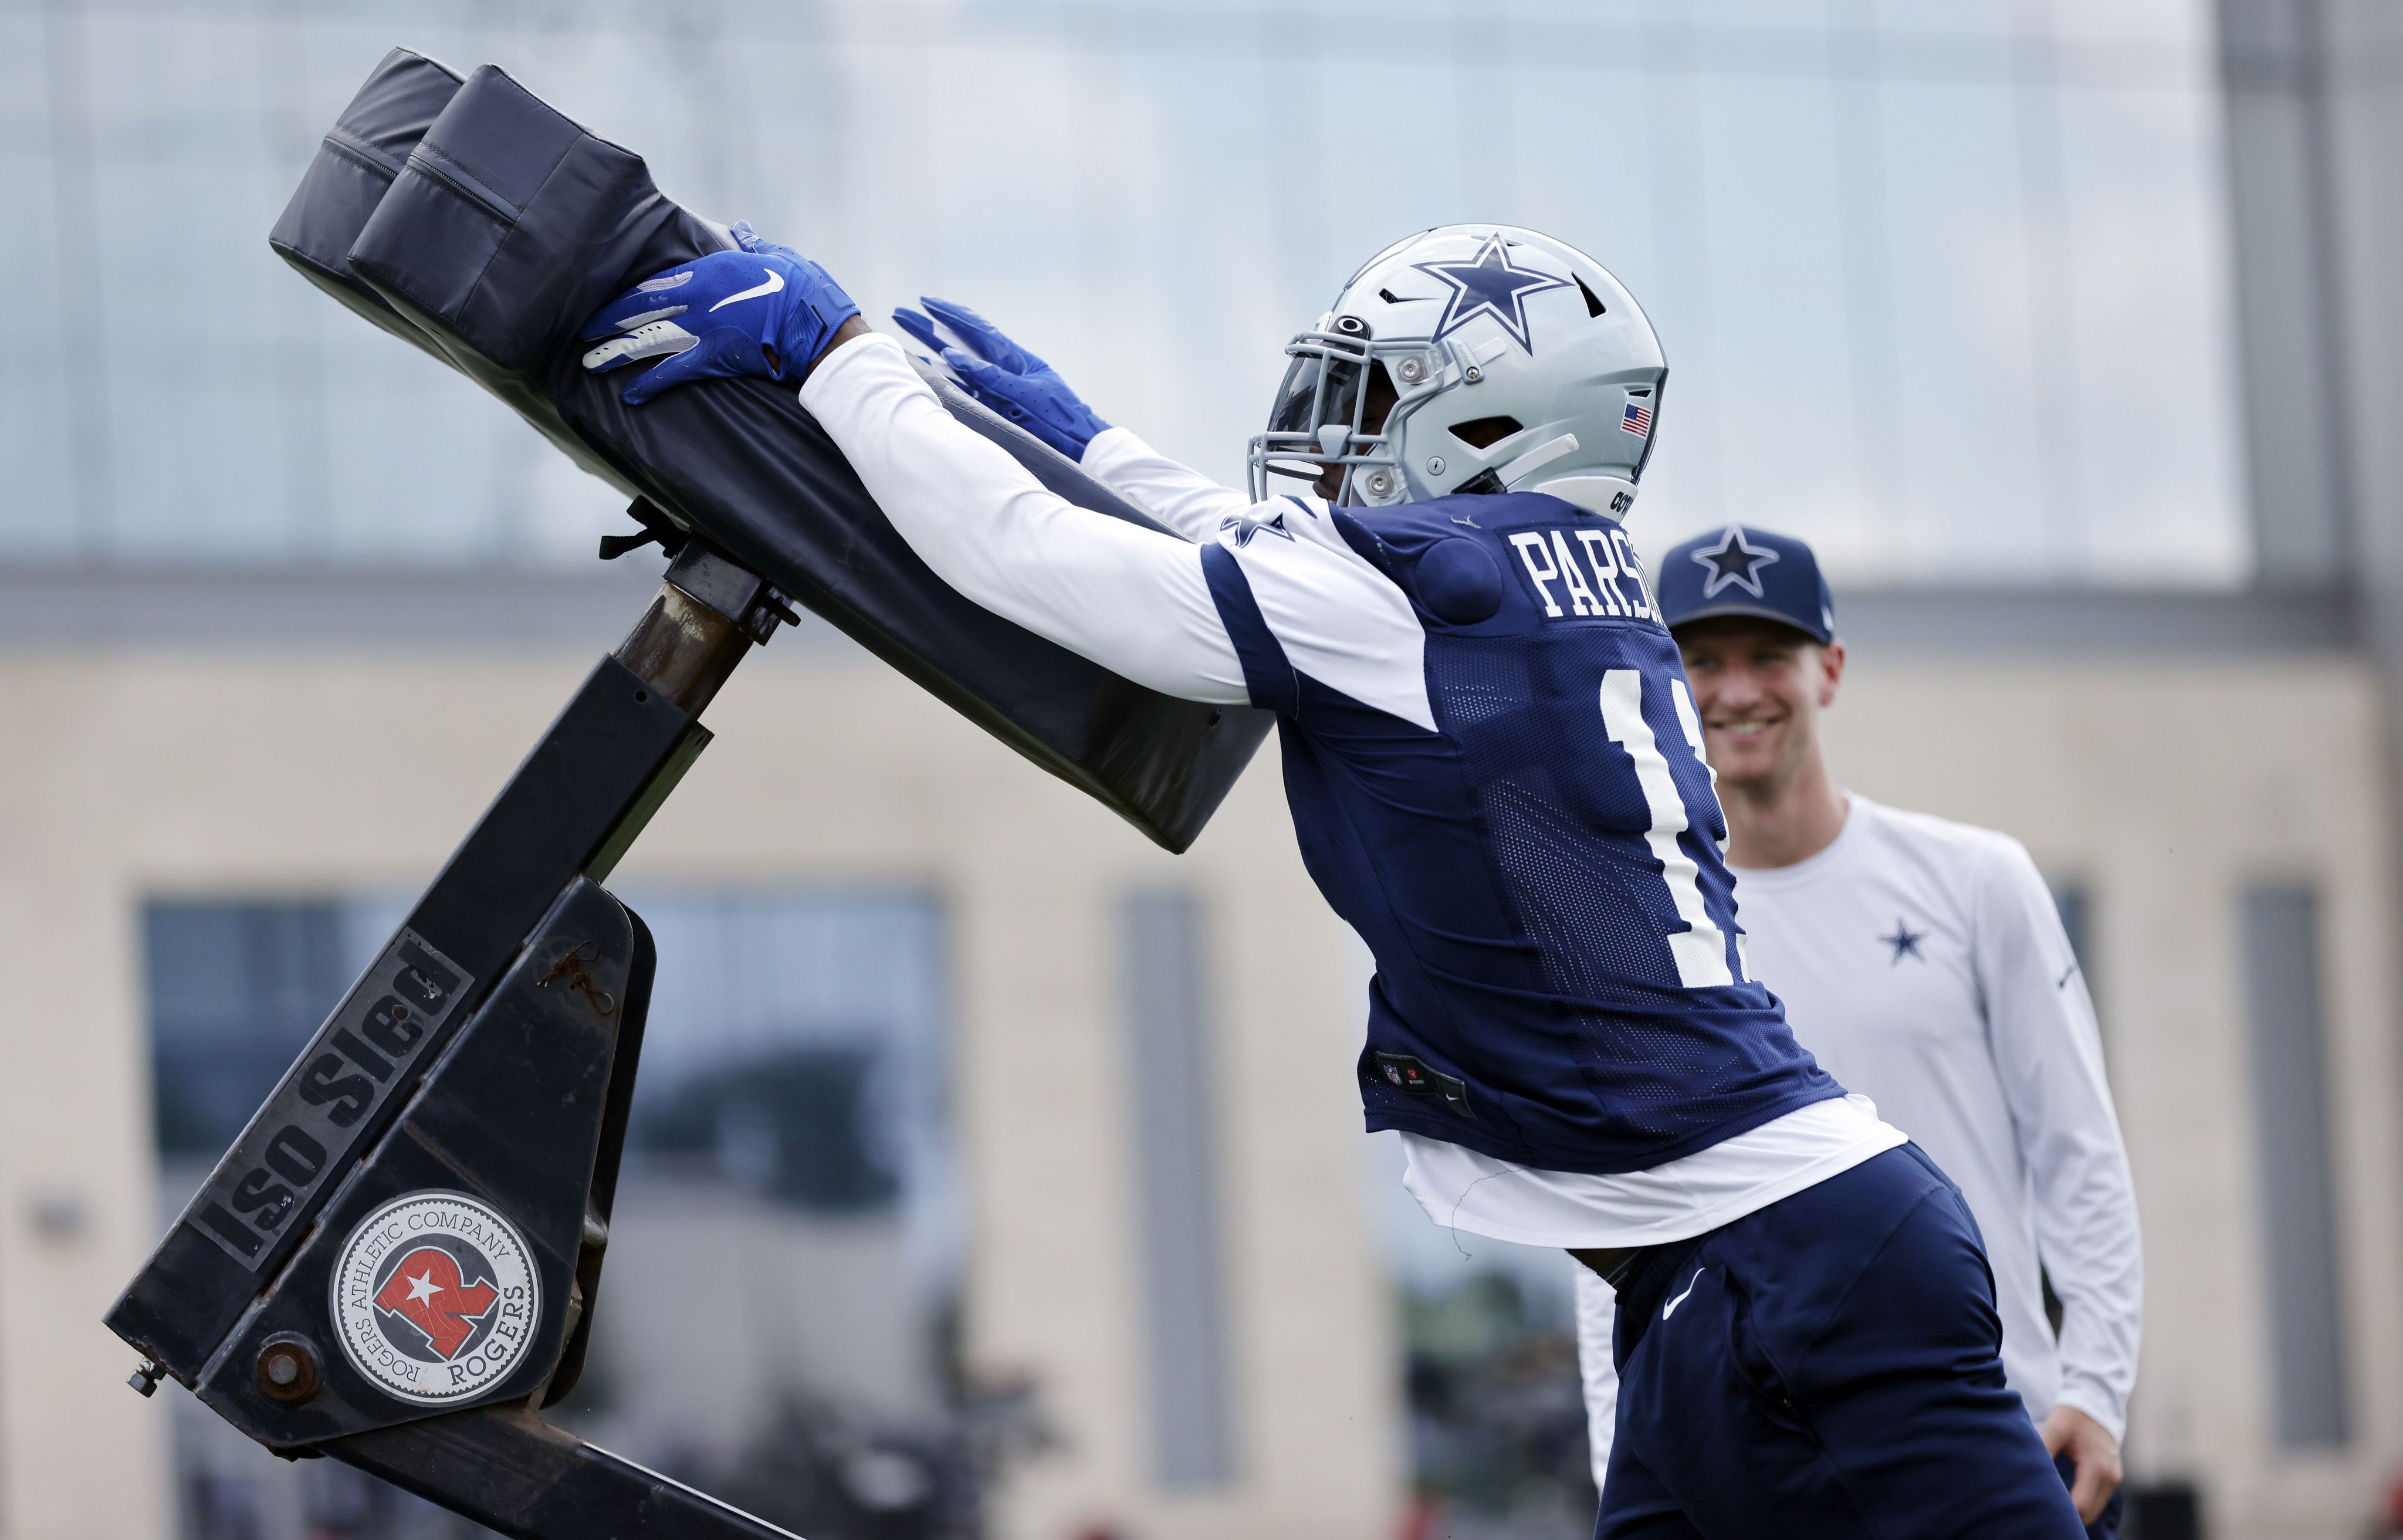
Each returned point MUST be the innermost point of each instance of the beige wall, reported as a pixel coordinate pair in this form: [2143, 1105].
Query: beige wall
[81, 1456]
[2163, 786]
[328, 771]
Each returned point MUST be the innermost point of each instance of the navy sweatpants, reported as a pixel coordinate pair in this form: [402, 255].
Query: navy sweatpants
[1827, 1366]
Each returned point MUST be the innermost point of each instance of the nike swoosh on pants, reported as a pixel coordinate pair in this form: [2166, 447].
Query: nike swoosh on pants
[1671, 1307]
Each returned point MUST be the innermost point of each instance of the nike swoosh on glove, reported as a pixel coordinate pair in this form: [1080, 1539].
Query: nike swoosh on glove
[765, 310]
[1005, 377]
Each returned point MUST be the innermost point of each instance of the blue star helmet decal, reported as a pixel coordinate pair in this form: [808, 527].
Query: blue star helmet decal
[1733, 563]
[1490, 286]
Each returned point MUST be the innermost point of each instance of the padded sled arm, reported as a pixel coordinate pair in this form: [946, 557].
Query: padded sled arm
[492, 227]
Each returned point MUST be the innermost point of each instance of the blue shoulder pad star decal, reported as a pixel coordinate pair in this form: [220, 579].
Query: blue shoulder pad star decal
[1488, 286]
[1733, 563]
[1246, 528]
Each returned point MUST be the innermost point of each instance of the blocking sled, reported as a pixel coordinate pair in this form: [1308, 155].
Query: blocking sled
[396, 1264]
[451, 1133]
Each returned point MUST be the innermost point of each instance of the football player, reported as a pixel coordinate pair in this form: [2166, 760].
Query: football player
[1494, 768]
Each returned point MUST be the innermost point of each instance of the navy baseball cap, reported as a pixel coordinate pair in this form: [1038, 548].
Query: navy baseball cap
[1746, 571]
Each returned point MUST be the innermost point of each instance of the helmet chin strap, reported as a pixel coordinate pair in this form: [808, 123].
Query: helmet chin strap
[1537, 459]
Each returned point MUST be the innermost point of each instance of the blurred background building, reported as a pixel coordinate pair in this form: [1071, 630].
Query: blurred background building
[995, 1172]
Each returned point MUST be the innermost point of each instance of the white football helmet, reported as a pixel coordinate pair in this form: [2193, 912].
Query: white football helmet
[1514, 363]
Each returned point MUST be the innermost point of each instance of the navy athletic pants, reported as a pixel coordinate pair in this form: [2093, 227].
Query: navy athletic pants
[1827, 1366]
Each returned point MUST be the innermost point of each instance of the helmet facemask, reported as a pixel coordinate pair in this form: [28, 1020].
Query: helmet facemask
[1337, 410]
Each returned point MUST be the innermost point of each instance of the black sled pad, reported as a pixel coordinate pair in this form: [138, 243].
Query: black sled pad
[470, 218]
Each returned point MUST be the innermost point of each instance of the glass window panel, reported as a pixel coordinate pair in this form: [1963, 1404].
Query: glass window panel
[2302, 1262]
[235, 989]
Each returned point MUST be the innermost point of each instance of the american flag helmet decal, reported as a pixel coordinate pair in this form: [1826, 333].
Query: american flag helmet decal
[1636, 420]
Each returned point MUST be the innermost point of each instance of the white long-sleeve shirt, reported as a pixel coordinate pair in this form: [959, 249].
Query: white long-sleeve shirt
[1923, 963]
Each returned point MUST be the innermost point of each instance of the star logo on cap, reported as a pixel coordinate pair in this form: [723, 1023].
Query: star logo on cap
[1489, 285]
[1733, 563]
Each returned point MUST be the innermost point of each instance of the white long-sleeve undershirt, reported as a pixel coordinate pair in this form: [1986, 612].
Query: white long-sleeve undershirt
[1135, 601]
[1182, 498]
[1131, 599]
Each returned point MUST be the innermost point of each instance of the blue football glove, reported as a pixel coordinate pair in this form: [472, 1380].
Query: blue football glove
[765, 310]
[1005, 377]
[751, 240]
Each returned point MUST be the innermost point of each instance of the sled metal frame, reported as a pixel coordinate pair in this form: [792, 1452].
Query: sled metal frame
[558, 827]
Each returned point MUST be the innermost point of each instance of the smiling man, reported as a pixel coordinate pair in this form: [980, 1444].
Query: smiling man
[1923, 964]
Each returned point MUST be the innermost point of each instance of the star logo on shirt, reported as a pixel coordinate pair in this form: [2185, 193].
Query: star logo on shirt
[1489, 285]
[1905, 941]
[1246, 528]
[1733, 564]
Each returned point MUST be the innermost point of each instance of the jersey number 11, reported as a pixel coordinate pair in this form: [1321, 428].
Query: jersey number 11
[1700, 950]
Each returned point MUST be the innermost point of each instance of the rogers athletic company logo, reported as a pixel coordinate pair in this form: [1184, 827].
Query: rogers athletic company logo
[436, 1298]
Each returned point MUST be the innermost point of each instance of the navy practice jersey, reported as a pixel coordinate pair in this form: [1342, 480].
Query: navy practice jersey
[1559, 978]
[1493, 762]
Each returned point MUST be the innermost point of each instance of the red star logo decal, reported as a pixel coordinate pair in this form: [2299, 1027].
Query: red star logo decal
[426, 1291]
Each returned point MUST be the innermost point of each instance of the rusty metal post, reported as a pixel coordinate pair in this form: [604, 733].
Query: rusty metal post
[708, 614]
